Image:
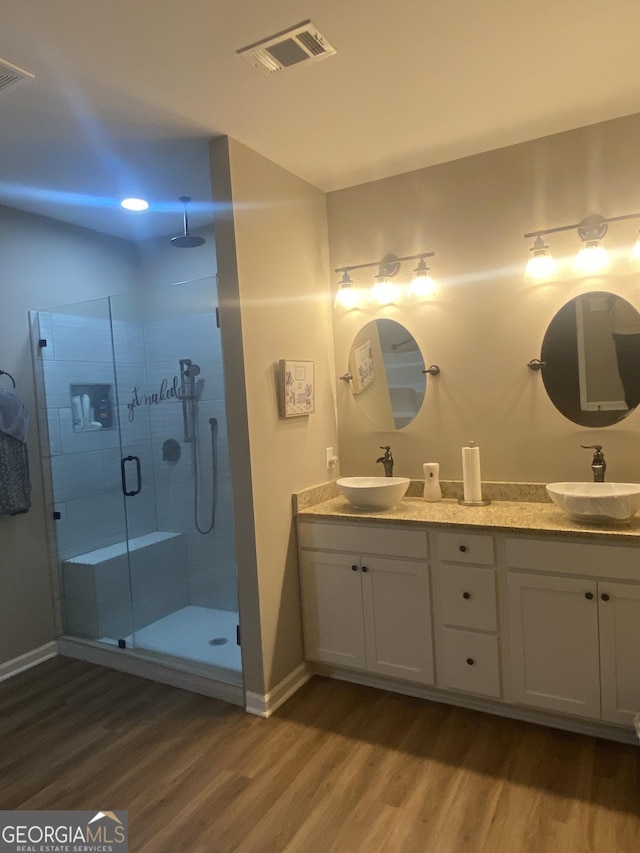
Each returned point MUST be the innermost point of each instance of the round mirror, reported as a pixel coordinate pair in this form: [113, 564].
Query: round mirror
[591, 355]
[387, 369]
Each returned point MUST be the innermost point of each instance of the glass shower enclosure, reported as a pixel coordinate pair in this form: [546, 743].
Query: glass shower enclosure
[136, 439]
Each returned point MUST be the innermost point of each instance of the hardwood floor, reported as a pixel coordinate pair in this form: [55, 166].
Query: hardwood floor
[338, 768]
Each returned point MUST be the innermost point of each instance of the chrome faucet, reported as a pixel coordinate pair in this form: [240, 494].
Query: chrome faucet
[598, 465]
[387, 461]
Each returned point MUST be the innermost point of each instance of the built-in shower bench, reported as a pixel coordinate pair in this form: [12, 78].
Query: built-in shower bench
[109, 592]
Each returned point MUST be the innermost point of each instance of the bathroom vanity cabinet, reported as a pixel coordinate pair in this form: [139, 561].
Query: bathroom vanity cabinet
[574, 617]
[542, 628]
[366, 599]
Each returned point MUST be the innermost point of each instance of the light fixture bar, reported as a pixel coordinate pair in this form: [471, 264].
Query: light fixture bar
[603, 220]
[419, 256]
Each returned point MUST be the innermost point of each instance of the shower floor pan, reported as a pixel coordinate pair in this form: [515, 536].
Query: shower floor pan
[200, 634]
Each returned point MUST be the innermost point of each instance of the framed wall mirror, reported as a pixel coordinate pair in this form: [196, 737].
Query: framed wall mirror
[387, 374]
[591, 359]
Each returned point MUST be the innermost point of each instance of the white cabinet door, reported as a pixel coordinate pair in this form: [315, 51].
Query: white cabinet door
[619, 612]
[553, 624]
[397, 614]
[332, 609]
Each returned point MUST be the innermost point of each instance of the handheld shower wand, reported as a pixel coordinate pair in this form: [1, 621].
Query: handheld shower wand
[190, 392]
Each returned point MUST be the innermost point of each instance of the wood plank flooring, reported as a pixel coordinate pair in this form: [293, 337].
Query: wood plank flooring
[338, 768]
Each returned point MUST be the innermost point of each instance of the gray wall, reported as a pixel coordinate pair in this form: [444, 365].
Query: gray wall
[275, 304]
[487, 322]
[44, 263]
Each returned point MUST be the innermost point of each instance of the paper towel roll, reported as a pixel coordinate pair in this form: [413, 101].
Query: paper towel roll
[471, 479]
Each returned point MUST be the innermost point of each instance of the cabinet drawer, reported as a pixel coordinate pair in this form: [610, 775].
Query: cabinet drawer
[465, 547]
[469, 662]
[467, 597]
[570, 558]
[363, 539]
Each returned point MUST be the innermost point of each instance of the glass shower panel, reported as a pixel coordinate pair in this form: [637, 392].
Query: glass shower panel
[175, 474]
[82, 442]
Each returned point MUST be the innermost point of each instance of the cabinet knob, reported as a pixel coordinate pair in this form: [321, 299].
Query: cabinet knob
[354, 568]
[604, 596]
[462, 548]
[466, 595]
[365, 569]
[588, 595]
[470, 661]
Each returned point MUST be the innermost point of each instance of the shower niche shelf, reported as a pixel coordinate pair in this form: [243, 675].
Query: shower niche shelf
[91, 406]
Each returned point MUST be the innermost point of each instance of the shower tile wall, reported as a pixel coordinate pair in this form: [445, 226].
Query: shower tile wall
[86, 465]
[212, 572]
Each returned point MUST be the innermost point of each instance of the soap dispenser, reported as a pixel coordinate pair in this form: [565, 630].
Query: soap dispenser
[432, 490]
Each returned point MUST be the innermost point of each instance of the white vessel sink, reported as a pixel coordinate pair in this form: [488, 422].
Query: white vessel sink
[597, 502]
[373, 492]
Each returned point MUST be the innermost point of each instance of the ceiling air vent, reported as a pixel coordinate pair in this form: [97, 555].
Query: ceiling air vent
[10, 74]
[300, 44]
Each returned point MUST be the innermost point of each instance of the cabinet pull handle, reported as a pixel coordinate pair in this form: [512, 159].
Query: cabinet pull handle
[354, 568]
[588, 595]
[470, 661]
[462, 548]
[365, 569]
[466, 595]
[604, 596]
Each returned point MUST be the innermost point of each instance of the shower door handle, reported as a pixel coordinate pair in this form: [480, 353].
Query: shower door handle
[123, 474]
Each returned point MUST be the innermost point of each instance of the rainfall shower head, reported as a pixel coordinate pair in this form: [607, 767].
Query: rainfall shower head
[186, 240]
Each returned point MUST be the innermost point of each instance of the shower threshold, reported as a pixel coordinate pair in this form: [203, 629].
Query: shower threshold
[216, 673]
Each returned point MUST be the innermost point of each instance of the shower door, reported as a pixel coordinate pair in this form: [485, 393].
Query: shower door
[134, 394]
[174, 471]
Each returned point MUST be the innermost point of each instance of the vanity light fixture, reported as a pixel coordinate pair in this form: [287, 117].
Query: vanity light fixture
[422, 284]
[384, 291]
[592, 257]
[635, 252]
[347, 296]
[541, 264]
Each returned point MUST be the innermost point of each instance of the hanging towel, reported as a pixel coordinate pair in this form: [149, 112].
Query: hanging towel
[15, 484]
[14, 417]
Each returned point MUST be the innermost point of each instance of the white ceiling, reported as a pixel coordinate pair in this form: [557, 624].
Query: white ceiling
[128, 92]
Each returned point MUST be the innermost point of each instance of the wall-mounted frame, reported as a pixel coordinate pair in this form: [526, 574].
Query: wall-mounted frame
[297, 388]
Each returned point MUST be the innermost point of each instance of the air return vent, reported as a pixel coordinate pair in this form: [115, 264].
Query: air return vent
[10, 74]
[300, 44]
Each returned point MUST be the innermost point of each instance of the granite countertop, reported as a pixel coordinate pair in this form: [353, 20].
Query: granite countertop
[515, 516]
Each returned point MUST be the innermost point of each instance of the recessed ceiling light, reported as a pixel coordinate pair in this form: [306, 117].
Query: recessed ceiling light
[134, 204]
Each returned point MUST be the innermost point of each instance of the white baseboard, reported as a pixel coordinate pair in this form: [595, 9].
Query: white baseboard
[578, 725]
[27, 660]
[264, 706]
[197, 679]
